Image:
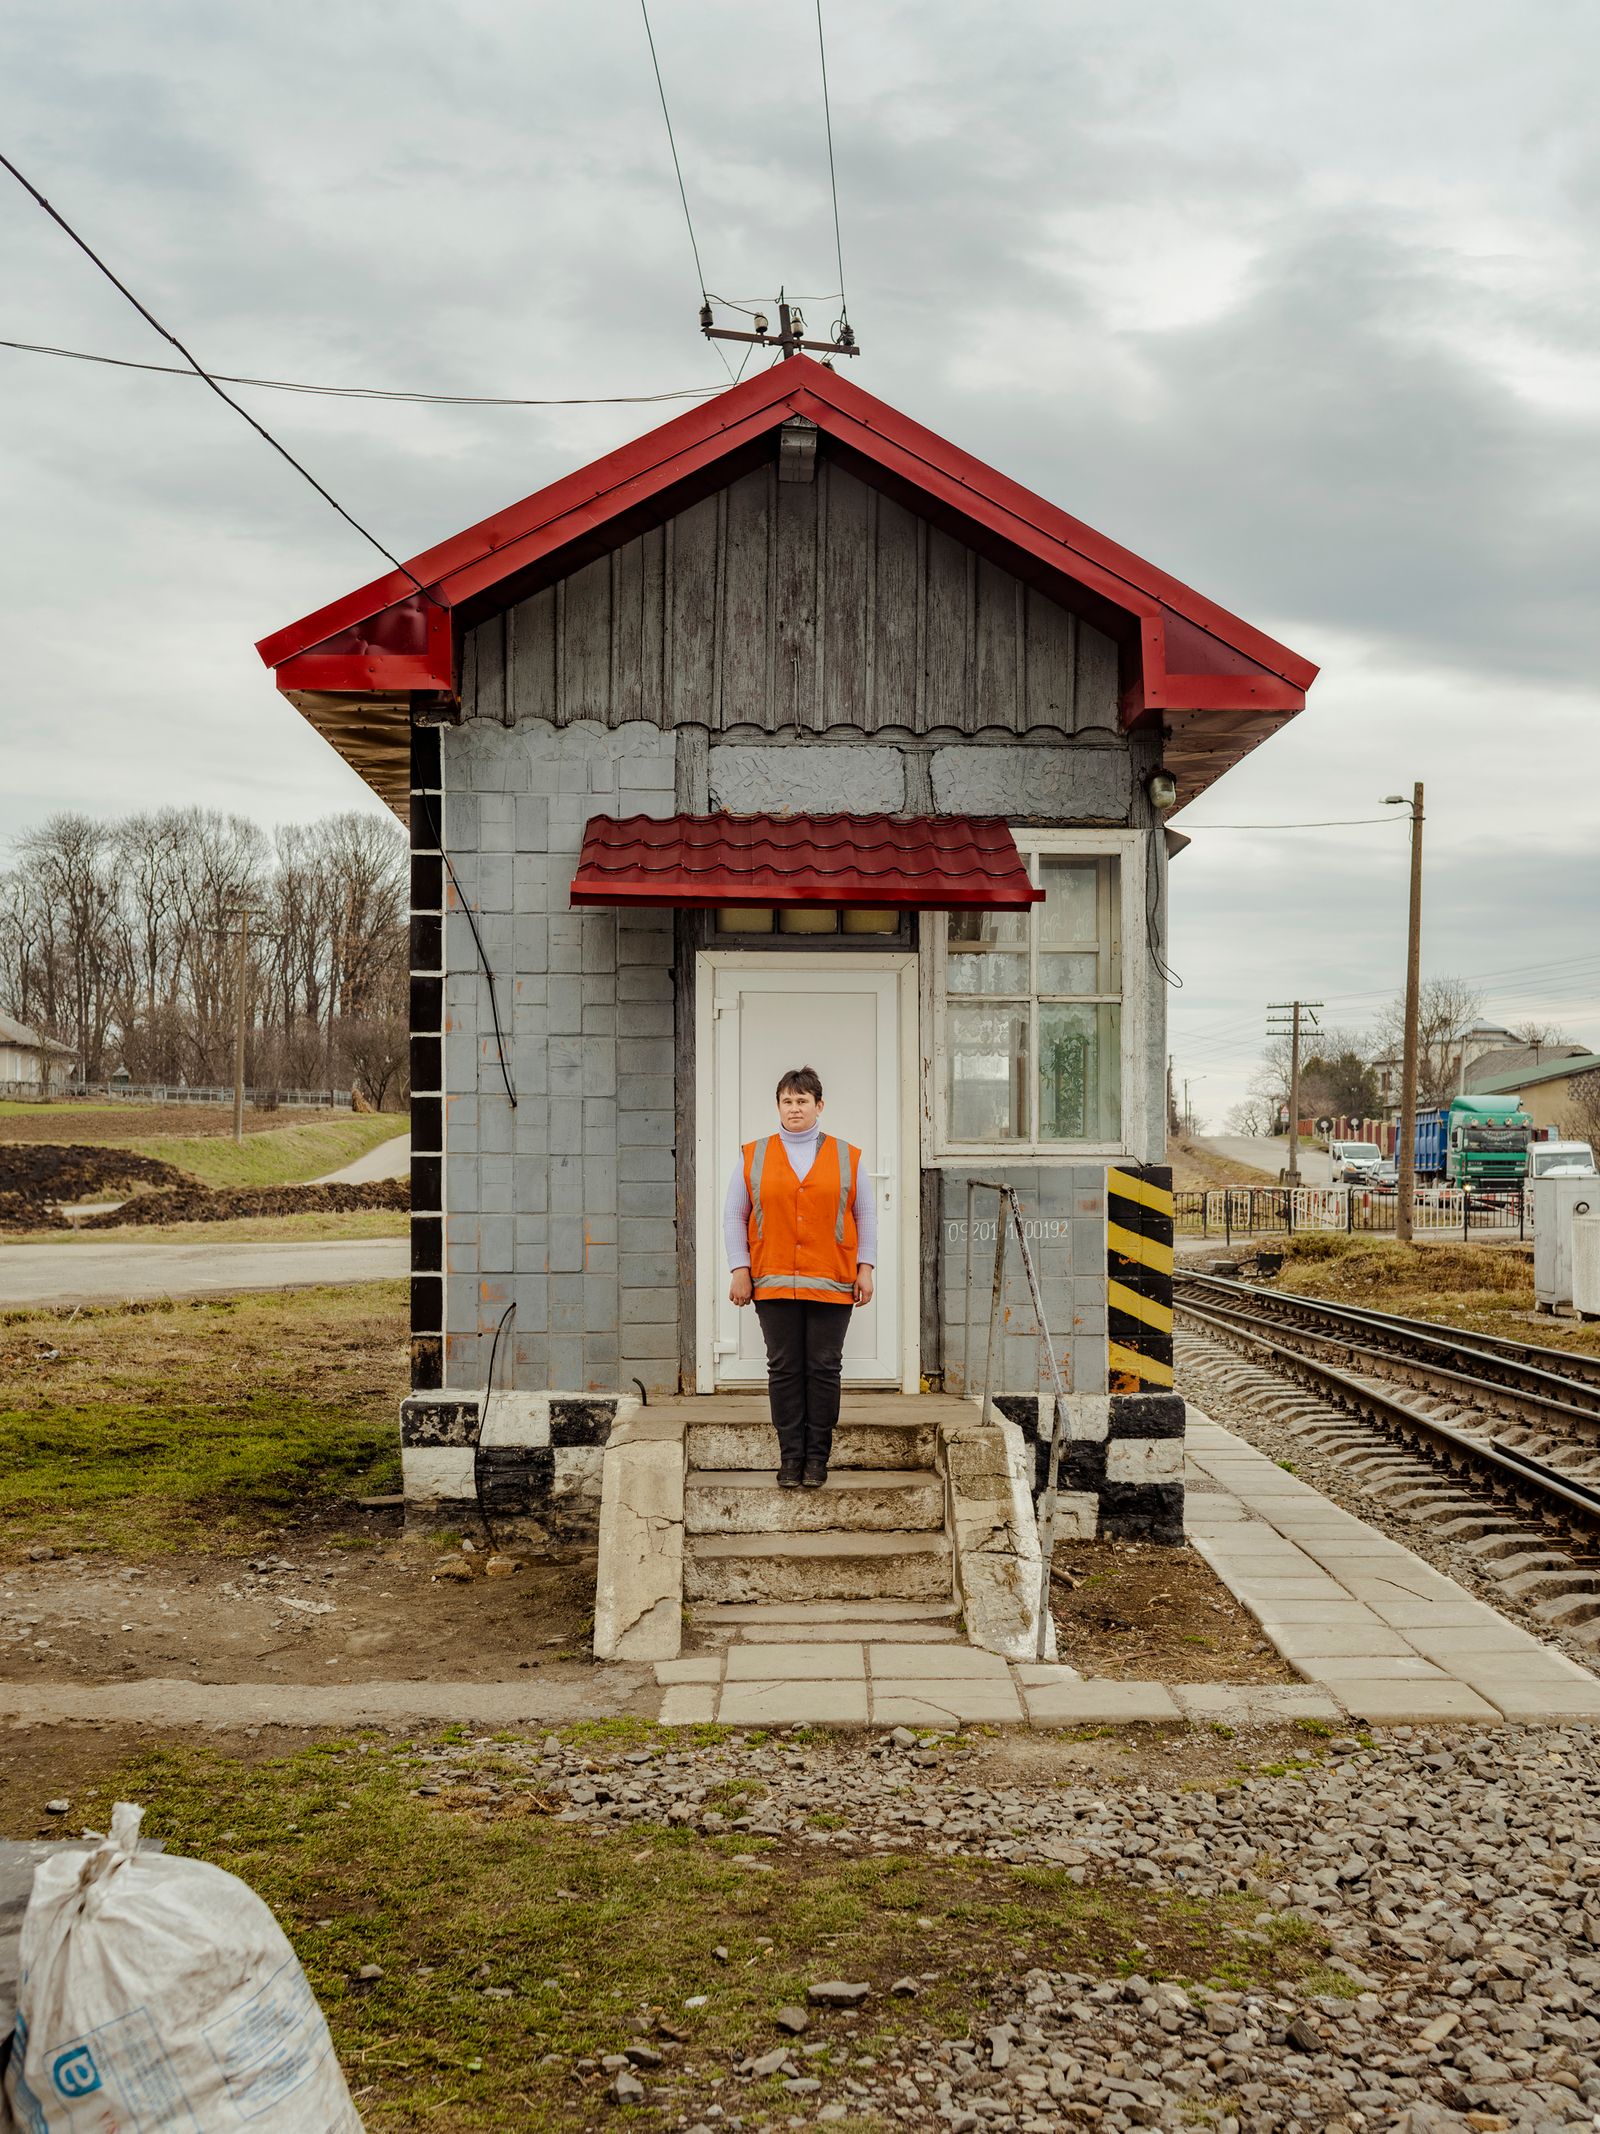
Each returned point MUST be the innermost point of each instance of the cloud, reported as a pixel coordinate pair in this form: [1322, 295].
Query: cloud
[1300, 305]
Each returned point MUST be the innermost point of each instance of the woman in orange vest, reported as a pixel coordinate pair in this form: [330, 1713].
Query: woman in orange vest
[800, 1226]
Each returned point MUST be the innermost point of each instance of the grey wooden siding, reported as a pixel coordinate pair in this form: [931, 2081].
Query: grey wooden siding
[795, 606]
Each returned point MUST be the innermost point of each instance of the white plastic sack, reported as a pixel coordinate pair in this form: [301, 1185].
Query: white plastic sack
[159, 1995]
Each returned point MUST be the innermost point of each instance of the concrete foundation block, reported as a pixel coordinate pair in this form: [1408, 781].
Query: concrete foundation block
[638, 1611]
[987, 1468]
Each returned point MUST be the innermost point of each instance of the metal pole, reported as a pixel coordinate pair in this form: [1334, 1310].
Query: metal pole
[1001, 1232]
[1405, 1199]
[238, 1030]
[966, 1313]
[1058, 1431]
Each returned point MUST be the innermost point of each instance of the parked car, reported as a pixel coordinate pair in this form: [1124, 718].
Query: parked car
[1353, 1162]
[1561, 1159]
[1386, 1178]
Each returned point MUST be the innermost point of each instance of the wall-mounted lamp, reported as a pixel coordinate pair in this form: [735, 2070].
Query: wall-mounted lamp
[1161, 790]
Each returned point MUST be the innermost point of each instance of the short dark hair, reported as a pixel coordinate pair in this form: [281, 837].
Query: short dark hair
[805, 1079]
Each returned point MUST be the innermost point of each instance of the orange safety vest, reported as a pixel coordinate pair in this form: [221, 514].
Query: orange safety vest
[802, 1230]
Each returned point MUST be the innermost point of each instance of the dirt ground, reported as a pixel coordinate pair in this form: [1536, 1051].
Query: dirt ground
[1134, 1611]
[303, 1609]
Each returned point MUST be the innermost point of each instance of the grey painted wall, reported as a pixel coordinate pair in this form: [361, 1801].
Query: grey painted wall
[800, 607]
[1064, 1207]
[563, 1204]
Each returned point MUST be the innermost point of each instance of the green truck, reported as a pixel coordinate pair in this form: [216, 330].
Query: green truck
[1479, 1142]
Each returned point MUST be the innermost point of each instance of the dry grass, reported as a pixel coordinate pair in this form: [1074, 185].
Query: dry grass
[328, 1223]
[1196, 1168]
[1485, 1289]
[89, 1119]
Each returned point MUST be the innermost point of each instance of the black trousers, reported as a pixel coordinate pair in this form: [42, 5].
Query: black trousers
[805, 1349]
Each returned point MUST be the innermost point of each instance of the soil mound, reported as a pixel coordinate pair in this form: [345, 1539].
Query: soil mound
[199, 1204]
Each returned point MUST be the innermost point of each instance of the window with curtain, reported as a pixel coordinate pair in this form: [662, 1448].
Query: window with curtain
[1030, 1011]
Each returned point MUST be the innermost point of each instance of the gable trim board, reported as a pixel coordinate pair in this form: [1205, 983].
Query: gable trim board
[1217, 683]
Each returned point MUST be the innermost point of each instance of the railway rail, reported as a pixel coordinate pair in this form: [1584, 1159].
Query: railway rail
[1518, 1420]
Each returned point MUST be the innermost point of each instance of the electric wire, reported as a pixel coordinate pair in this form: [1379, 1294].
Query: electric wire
[483, 1425]
[477, 938]
[371, 392]
[833, 182]
[1345, 822]
[672, 143]
[201, 372]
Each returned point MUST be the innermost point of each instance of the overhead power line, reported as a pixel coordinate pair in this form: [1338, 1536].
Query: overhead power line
[201, 372]
[833, 182]
[372, 392]
[1343, 822]
[672, 143]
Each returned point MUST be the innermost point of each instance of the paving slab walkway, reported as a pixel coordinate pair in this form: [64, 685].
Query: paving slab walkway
[1377, 1635]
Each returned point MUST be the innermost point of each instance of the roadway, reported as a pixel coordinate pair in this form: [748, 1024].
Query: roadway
[82, 1273]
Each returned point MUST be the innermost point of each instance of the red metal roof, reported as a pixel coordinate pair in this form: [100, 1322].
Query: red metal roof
[1220, 684]
[919, 863]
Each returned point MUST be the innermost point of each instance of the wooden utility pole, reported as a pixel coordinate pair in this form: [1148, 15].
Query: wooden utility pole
[1295, 1010]
[1406, 1196]
[240, 1015]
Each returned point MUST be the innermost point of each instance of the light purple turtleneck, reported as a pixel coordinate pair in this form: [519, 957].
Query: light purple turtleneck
[801, 1150]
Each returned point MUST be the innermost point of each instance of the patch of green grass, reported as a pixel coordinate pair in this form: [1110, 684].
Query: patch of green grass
[288, 1155]
[591, 1929]
[189, 1425]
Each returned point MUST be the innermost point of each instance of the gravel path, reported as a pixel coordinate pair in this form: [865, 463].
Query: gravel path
[1455, 1879]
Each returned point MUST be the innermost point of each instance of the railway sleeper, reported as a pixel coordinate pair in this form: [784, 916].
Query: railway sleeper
[1550, 1582]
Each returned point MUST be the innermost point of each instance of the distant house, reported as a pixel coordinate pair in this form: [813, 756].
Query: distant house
[1546, 1092]
[1475, 1060]
[31, 1065]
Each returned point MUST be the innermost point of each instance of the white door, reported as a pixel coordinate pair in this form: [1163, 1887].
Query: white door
[850, 1018]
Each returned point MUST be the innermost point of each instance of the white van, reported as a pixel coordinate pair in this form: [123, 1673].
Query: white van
[1353, 1162]
[1560, 1159]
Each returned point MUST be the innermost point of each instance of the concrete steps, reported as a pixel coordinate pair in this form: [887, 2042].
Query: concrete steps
[836, 1566]
[884, 1622]
[861, 1500]
[749, 1441]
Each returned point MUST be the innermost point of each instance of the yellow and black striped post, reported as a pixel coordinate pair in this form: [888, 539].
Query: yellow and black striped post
[1139, 1278]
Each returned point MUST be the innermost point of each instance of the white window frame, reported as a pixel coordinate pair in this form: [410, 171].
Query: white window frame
[1128, 847]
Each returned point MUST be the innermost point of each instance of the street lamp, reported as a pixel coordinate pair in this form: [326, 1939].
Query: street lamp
[1405, 1198]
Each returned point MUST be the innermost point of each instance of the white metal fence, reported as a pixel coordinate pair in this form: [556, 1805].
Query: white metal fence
[182, 1093]
[1227, 1212]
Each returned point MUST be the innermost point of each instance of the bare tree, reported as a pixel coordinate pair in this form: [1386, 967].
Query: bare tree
[1447, 1008]
[1539, 1036]
[120, 939]
[1582, 1122]
[1252, 1117]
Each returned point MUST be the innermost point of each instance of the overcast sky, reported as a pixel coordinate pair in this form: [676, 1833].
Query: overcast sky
[1299, 304]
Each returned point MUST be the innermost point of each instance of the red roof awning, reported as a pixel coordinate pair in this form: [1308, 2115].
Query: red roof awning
[917, 863]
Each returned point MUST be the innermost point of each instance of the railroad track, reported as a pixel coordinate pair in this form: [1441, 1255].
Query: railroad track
[1494, 1444]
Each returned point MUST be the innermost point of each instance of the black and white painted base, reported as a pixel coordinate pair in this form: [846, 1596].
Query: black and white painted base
[1121, 1473]
[535, 1459]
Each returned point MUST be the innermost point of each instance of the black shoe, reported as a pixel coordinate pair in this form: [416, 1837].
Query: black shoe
[789, 1475]
[816, 1473]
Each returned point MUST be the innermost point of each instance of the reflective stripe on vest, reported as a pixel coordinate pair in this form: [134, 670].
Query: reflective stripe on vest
[792, 1254]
